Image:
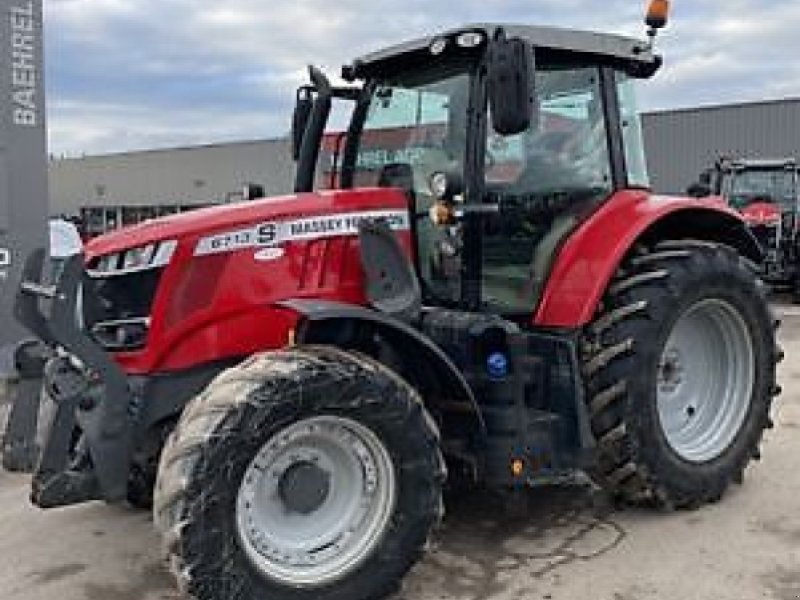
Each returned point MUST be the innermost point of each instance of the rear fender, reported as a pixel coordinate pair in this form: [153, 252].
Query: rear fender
[591, 255]
[426, 367]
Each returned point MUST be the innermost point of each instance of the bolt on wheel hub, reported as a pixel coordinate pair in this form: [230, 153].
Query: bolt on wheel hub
[670, 370]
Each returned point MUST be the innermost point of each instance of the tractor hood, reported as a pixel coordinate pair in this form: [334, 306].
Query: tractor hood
[203, 224]
[761, 213]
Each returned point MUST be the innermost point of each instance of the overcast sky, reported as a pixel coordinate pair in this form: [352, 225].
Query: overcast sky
[134, 74]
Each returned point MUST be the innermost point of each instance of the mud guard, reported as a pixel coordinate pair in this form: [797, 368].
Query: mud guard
[323, 319]
[589, 258]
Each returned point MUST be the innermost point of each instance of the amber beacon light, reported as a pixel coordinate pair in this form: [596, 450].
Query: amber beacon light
[657, 18]
[657, 14]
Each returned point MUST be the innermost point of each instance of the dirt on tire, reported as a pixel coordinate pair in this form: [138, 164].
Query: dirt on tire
[223, 428]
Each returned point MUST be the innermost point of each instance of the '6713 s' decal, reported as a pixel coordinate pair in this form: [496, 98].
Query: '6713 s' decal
[274, 233]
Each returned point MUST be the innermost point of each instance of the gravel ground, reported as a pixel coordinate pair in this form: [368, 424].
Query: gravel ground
[746, 547]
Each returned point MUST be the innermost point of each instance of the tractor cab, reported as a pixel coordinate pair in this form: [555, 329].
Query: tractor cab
[766, 192]
[744, 183]
[504, 138]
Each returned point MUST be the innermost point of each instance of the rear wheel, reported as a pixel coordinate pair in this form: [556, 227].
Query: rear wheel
[679, 365]
[305, 473]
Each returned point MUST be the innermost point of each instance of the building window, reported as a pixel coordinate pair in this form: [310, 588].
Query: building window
[97, 220]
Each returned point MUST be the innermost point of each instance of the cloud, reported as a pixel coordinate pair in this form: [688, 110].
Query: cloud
[126, 74]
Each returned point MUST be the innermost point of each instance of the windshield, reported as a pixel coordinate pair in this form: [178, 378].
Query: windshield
[764, 185]
[418, 123]
[415, 127]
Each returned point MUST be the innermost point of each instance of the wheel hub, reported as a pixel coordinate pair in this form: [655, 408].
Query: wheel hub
[315, 501]
[705, 380]
[304, 487]
[670, 370]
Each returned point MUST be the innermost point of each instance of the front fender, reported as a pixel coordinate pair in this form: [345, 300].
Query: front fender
[426, 365]
[590, 256]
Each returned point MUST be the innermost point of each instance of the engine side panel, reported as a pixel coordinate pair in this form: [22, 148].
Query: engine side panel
[217, 297]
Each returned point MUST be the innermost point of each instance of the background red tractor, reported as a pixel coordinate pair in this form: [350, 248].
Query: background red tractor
[767, 194]
[507, 304]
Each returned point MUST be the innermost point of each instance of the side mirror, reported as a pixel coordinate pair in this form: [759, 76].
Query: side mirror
[302, 112]
[510, 78]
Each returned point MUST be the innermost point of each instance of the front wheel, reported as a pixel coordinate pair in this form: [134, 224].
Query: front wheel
[680, 366]
[306, 473]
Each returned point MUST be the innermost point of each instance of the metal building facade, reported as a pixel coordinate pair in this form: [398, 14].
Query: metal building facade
[155, 182]
[681, 143]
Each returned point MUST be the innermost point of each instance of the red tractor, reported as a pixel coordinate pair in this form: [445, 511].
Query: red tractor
[767, 194]
[506, 305]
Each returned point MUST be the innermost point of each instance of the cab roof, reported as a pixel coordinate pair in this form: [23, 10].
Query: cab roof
[744, 164]
[599, 46]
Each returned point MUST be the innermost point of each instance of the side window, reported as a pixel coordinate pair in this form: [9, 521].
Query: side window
[573, 127]
[566, 148]
[635, 163]
[545, 179]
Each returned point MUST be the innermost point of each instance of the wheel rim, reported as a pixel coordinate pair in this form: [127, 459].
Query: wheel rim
[705, 380]
[315, 501]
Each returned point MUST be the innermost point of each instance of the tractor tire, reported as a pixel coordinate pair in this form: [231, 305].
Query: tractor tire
[680, 372]
[306, 473]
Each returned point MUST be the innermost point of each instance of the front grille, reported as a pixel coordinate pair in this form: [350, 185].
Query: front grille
[120, 317]
[127, 296]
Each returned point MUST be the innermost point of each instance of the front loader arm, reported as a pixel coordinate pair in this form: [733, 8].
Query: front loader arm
[86, 389]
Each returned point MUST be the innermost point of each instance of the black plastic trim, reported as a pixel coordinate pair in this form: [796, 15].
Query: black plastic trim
[613, 117]
[318, 311]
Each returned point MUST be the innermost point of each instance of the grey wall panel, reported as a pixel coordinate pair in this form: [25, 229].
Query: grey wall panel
[23, 163]
[679, 145]
[185, 176]
[682, 143]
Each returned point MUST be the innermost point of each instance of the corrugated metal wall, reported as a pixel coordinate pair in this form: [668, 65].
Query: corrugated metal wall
[679, 145]
[682, 143]
[182, 176]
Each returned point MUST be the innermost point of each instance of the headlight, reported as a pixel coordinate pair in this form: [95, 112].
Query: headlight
[438, 185]
[122, 334]
[138, 257]
[446, 185]
[470, 39]
[135, 259]
[438, 46]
